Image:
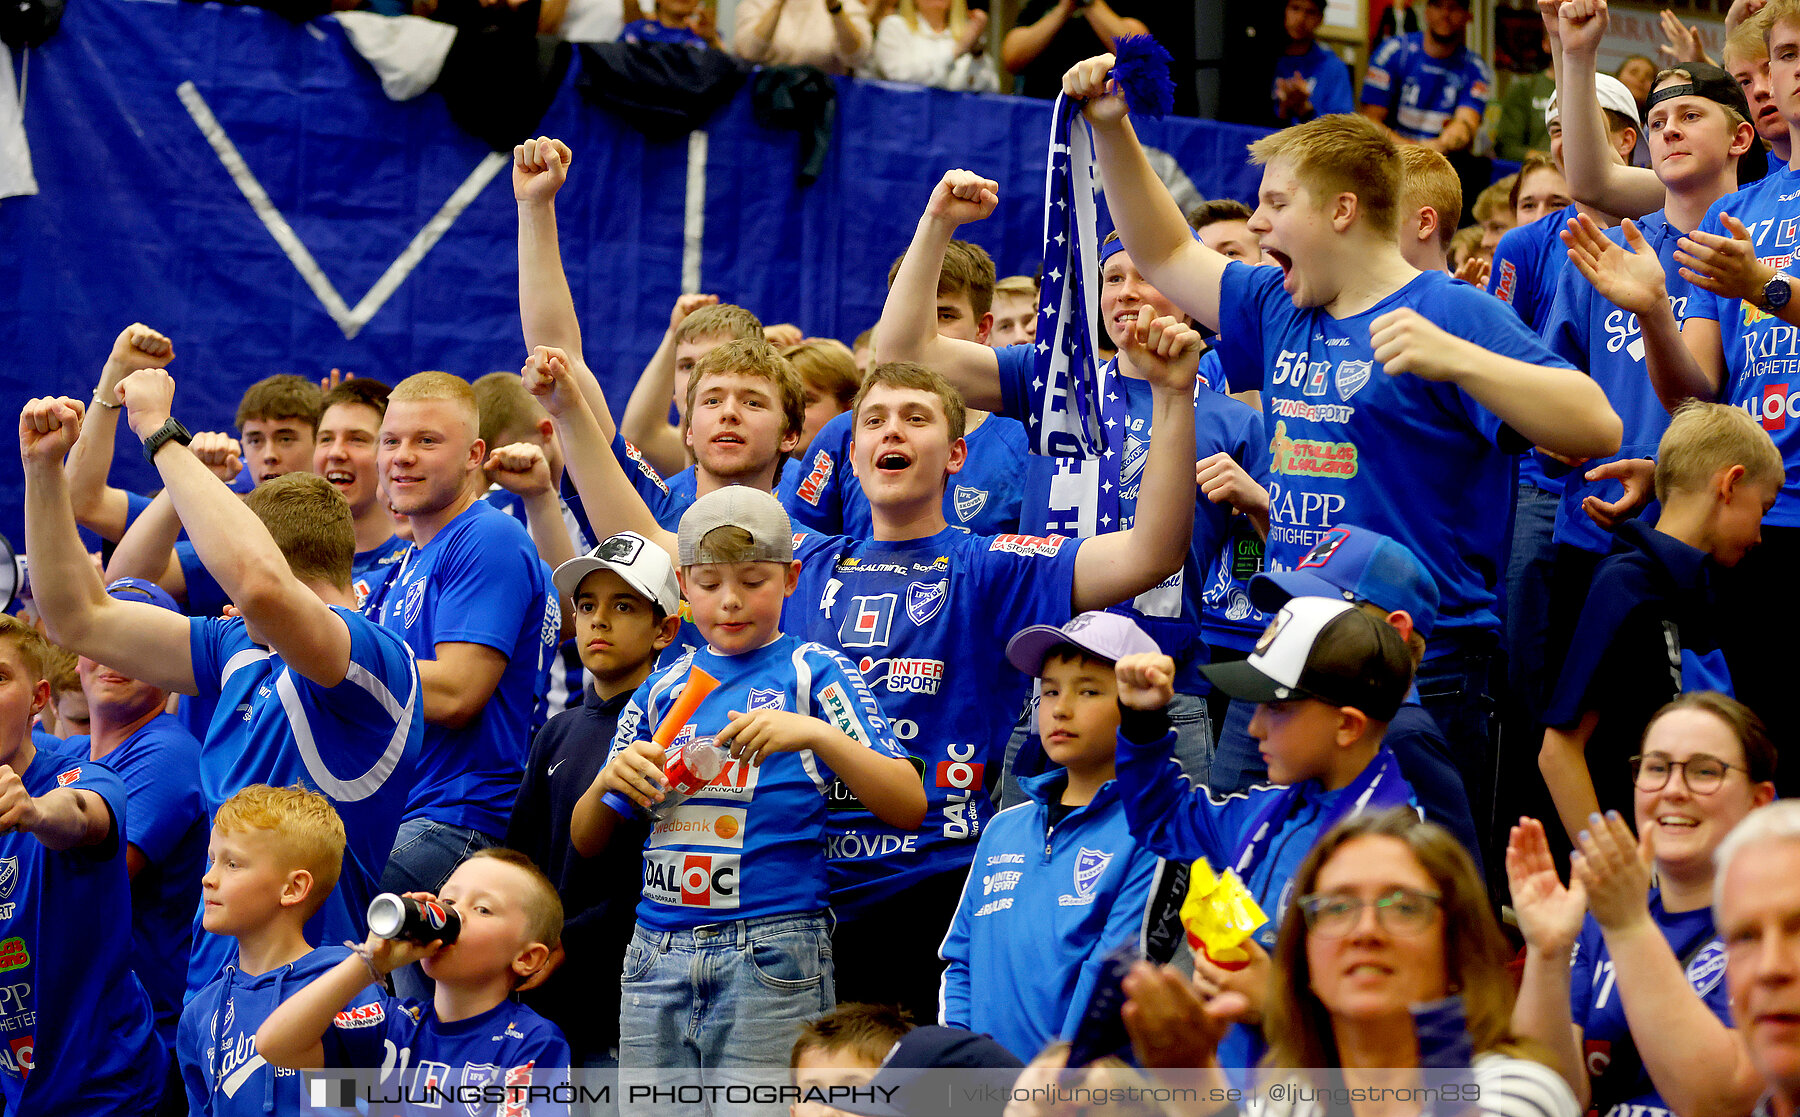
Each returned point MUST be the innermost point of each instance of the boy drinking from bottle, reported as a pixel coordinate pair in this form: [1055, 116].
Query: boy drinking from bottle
[510, 924]
[731, 953]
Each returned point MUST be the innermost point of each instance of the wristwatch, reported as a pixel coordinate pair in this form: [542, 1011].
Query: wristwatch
[1776, 293]
[170, 431]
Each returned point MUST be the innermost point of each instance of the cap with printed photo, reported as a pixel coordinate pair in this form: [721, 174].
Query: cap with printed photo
[643, 565]
[740, 506]
[1318, 647]
[1107, 636]
[1355, 564]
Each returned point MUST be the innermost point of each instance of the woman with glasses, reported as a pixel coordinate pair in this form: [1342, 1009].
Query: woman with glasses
[1389, 915]
[1624, 975]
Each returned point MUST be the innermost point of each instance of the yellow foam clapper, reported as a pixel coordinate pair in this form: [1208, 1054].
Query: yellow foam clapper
[1219, 915]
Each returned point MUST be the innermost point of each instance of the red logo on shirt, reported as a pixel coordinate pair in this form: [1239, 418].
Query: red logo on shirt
[959, 773]
[1509, 281]
[68, 777]
[814, 485]
[13, 954]
[518, 1089]
[1775, 407]
[362, 1016]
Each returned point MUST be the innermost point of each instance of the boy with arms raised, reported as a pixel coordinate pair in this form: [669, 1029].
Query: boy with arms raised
[748, 847]
[625, 601]
[1367, 355]
[511, 923]
[305, 689]
[275, 854]
[914, 607]
[1033, 929]
[76, 1025]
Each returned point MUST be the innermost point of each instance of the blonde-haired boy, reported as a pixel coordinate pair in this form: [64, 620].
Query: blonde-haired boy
[1649, 628]
[1430, 207]
[275, 855]
[511, 924]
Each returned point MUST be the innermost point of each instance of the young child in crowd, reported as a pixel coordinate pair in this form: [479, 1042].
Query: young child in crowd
[842, 1049]
[626, 602]
[1015, 311]
[511, 921]
[1430, 207]
[275, 854]
[1033, 929]
[747, 851]
[1650, 622]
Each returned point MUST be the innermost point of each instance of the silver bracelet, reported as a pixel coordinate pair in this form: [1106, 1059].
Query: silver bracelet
[98, 402]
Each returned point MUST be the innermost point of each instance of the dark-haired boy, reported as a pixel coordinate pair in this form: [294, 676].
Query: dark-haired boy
[344, 453]
[1309, 79]
[1427, 86]
[626, 606]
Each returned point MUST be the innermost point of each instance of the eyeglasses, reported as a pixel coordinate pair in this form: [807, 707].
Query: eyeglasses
[1403, 911]
[1703, 774]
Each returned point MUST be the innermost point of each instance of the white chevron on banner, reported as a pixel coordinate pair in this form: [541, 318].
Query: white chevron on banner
[349, 319]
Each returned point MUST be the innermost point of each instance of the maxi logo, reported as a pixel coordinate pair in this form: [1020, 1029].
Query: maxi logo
[349, 319]
[867, 620]
[814, 485]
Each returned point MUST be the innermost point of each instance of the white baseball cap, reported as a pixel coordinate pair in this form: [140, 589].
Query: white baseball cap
[644, 566]
[1610, 92]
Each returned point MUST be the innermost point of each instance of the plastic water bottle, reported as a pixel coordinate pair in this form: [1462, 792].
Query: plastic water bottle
[687, 770]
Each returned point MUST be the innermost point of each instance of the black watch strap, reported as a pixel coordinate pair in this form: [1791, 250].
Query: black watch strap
[170, 431]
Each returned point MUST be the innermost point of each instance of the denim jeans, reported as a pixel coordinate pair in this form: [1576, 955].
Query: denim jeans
[699, 1005]
[1529, 570]
[1193, 745]
[1457, 687]
[425, 854]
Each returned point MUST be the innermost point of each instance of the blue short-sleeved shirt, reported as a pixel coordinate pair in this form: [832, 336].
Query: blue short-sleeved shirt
[1529, 262]
[370, 569]
[664, 504]
[1422, 93]
[205, 597]
[751, 843]
[508, 1045]
[479, 581]
[1417, 460]
[983, 497]
[1762, 353]
[1327, 81]
[685, 485]
[357, 743]
[926, 622]
[77, 1035]
[652, 31]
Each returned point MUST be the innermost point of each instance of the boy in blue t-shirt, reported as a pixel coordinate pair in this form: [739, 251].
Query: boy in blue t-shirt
[1309, 80]
[744, 852]
[1394, 399]
[469, 1038]
[77, 1036]
[305, 689]
[1428, 86]
[274, 854]
[1058, 882]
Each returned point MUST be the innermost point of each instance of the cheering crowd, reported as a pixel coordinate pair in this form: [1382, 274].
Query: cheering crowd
[1344, 671]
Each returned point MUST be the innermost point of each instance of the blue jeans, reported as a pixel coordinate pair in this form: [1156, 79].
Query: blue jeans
[1457, 687]
[1193, 745]
[697, 1006]
[425, 854]
[1527, 606]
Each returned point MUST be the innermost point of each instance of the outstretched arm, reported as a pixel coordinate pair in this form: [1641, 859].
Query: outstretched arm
[1594, 178]
[142, 640]
[908, 327]
[236, 548]
[100, 507]
[1149, 222]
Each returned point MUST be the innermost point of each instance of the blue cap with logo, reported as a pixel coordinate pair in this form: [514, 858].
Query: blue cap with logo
[1355, 564]
[140, 589]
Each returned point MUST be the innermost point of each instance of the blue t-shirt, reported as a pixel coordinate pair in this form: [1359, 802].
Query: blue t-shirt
[507, 1046]
[205, 597]
[567, 676]
[685, 485]
[1418, 460]
[983, 497]
[1063, 497]
[77, 1035]
[168, 823]
[479, 581]
[665, 506]
[1422, 93]
[652, 31]
[356, 743]
[1327, 82]
[1762, 353]
[926, 622]
[1591, 333]
[751, 843]
[1621, 1085]
[370, 569]
[216, 1047]
[1529, 263]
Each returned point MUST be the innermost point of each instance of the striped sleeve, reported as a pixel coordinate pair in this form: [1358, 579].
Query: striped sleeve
[1522, 1088]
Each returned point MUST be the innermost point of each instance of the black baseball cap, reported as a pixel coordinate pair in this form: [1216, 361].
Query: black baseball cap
[1714, 84]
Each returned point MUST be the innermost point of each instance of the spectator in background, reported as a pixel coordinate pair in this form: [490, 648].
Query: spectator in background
[1015, 310]
[1638, 73]
[1224, 227]
[829, 372]
[676, 21]
[1428, 87]
[1309, 80]
[833, 35]
[1522, 128]
[939, 43]
[1050, 37]
[1465, 245]
[1493, 213]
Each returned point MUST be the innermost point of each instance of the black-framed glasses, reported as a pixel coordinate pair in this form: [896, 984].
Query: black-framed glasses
[1702, 773]
[1400, 911]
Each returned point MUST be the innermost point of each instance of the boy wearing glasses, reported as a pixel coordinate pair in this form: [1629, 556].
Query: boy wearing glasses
[1326, 678]
[1649, 628]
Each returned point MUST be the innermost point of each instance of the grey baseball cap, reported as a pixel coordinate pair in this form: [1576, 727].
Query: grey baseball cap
[757, 512]
[644, 566]
[1107, 636]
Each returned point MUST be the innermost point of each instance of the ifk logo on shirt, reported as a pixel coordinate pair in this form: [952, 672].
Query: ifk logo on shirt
[867, 622]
